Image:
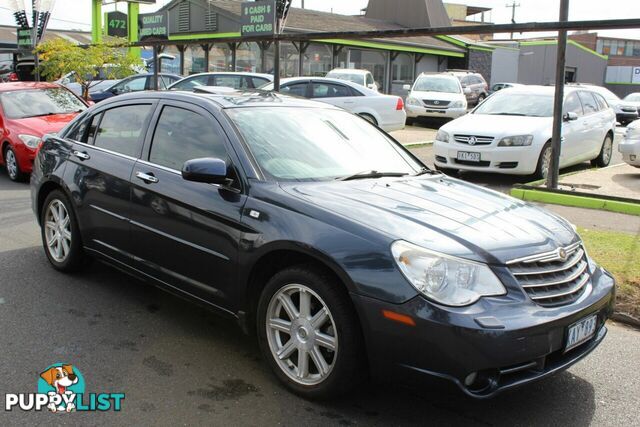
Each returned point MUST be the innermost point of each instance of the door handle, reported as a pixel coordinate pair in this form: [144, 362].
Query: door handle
[81, 155]
[146, 177]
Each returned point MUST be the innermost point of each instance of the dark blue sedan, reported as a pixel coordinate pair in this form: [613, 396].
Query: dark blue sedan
[324, 237]
[135, 83]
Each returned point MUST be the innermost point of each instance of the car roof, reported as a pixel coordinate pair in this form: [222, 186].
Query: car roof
[351, 84]
[544, 90]
[11, 86]
[348, 70]
[232, 73]
[226, 100]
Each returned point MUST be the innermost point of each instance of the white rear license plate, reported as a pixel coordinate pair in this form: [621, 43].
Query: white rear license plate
[468, 156]
[580, 332]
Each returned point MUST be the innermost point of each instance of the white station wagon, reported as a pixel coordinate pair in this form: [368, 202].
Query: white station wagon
[510, 133]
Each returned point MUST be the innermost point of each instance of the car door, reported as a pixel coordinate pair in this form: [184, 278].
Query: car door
[333, 93]
[185, 233]
[591, 125]
[103, 150]
[574, 132]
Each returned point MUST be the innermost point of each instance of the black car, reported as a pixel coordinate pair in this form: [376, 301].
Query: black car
[135, 83]
[322, 235]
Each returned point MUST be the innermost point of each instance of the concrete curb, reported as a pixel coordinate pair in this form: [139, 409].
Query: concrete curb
[417, 144]
[581, 201]
[626, 319]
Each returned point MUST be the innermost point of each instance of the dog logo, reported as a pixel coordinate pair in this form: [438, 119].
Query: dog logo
[64, 381]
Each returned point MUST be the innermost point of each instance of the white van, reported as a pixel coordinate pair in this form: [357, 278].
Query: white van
[361, 77]
[435, 95]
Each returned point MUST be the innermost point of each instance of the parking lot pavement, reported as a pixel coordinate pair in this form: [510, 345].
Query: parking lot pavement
[180, 364]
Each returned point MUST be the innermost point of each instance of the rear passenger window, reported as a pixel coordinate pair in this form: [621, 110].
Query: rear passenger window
[299, 89]
[602, 103]
[120, 129]
[236, 82]
[330, 90]
[588, 102]
[258, 81]
[183, 135]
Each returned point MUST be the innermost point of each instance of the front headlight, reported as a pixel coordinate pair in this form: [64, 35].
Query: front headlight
[413, 101]
[516, 141]
[458, 104]
[445, 279]
[30, 141]
[442, 136]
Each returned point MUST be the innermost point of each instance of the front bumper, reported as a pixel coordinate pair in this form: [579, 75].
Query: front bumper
[523, 342]
[630, 150]
[506, 160]
[415, 112]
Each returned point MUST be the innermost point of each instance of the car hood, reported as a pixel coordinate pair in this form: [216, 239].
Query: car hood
[39, 126]
[442, 214]
[440, 96]
[490, 125]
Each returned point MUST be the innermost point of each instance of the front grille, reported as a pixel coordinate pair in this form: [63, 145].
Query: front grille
[482, 164]
[435, 103]
[477, 140]
[550, 279]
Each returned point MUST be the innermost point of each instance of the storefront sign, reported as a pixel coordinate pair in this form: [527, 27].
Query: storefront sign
[635, 77]
[25, 40]
[153, 26]
[117, 24]
[258, 18]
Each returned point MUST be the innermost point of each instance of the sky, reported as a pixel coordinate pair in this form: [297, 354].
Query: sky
[76, 14]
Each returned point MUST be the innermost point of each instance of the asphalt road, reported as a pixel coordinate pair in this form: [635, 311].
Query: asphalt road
[179, 364]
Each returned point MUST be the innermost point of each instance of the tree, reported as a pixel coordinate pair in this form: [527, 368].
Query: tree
[108, 60]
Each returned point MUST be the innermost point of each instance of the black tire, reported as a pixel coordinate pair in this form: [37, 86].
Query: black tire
[481, 98]
[410, 121]
[15, 175]
[447, 171]
[76, 257]
[369, 118]
[606, 152]
[542, 171]
[349, 366]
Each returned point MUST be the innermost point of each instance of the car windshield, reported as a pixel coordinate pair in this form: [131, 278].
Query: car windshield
[437, 84]
[633, 97]
[302, 144]
[21, 104]
[350, 77]
[507, 103]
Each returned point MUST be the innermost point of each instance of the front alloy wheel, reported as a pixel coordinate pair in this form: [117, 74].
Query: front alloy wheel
[301, 334]
[11, 162]
[309, 332]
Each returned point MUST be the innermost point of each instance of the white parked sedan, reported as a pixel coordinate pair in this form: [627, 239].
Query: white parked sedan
[385, 111]
[436, 95]
[630, 145]
[510, 132]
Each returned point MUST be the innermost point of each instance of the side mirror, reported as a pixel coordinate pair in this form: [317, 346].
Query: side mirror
[371, 86]
[207, 170]
[466, 90]
[406, 87]
[570, 116]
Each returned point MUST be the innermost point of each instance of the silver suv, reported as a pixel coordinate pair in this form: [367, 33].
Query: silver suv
[474, 85]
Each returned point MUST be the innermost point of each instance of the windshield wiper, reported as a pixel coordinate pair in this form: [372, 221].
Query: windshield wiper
[44, 114]
[371, 174]
[425, 171]
[507, 114]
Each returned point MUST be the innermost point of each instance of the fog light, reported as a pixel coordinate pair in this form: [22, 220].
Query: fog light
[470, 379]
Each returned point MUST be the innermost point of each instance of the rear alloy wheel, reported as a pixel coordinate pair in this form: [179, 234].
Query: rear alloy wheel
[369, 118]
[309, 334]
[11, 162]
[544, 162]
[606, 152]
[60, 233]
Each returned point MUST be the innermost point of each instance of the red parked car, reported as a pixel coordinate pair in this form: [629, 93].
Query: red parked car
[28, 111]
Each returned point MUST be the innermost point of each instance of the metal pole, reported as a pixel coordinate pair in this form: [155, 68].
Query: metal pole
[36, 59]
[556, 141]
[156, 65]
[276, 65]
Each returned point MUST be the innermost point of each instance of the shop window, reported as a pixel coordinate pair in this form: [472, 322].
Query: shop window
[248, 58]
[317, 60]
[220, 58]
